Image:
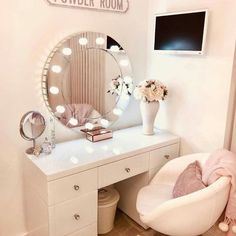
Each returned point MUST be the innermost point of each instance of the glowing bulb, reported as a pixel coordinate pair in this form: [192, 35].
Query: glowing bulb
[114, 48]
[73, 121]
[104, 122]
[54, 90]
[60, 109]
[128, 80]
[117, 111]
[56, 69]
[67, 51]
[83, 41]
[100, 41]
[89, 126]
[124, 62]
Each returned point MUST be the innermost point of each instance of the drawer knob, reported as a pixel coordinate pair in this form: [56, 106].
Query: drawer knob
[76, 187]
[76, 216]
[127, 170]
[167, 157]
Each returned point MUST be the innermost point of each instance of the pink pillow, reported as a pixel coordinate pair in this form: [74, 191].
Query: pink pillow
[189, 181]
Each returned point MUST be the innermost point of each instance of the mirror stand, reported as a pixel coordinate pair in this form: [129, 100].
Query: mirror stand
[32, 126]
[32, 150]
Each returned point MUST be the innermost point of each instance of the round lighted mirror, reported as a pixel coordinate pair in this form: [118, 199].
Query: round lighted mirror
[87, 80]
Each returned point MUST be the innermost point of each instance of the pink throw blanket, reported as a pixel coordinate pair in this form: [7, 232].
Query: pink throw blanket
[223, 163]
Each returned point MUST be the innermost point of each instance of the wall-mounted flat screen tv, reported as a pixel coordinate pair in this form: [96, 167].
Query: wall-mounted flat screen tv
[181, 33]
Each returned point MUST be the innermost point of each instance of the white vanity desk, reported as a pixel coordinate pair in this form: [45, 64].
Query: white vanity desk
[61, 189]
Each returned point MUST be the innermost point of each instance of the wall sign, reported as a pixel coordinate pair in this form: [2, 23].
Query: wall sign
[103, 5]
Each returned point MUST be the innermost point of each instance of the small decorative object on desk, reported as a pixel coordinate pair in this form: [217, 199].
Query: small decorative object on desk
[37, 151]
[47, 147]
[99, 134]
[85, 130]
[52, 132]
[150, 92]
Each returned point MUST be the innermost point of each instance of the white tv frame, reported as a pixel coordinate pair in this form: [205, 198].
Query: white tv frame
[183, 51]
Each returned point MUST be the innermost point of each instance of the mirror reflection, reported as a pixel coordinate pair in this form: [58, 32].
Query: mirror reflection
[32, 125]
[87, 80]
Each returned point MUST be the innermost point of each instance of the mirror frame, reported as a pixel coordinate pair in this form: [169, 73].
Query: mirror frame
[127, 72]
[22, 121]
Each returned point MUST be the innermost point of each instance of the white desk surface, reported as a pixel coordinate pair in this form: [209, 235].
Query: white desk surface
[80, 155]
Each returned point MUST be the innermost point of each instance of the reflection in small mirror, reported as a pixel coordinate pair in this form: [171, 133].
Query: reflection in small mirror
[32, 126]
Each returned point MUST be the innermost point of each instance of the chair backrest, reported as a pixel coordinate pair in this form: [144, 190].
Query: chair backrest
[171, 171]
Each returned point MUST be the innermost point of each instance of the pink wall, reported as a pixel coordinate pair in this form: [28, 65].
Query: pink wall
[199, 86]
[28, 29]
[197, 105]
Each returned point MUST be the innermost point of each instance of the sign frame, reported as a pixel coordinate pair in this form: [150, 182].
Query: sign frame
[59, 3]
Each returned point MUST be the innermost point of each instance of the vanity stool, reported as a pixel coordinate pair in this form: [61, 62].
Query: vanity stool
[61, 189]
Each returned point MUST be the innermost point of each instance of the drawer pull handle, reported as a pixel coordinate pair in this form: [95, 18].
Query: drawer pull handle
[167, 157]
[77, 217]
[76, 187]
[127, 170]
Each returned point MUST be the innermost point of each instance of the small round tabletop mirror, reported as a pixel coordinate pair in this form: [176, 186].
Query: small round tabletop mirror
[32, 126]
[87, 81]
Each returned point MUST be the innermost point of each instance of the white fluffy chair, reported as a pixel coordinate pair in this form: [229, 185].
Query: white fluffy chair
[190, 215]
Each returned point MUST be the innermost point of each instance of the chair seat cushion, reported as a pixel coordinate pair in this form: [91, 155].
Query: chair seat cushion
[152, 196]
[189, 181]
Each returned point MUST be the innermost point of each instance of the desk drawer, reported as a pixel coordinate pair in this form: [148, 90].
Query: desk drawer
[120, 170]
[161, 156]
[73, 215]
[72, 186]
[88, 231]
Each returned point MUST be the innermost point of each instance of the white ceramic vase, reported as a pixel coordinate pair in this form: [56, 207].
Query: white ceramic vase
[149, 112]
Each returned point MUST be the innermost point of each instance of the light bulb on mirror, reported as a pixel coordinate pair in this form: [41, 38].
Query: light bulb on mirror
[100, 41]
[104, 123]
[73, 121]
[114, 48]
[67, 51]
[117, 111]
[89, 126]
[83, 41]
[60, 109]
[124, 62]
[54, 90]
[56, 69]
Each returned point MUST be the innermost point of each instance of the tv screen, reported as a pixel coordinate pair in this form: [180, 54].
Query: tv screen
[183, 32]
